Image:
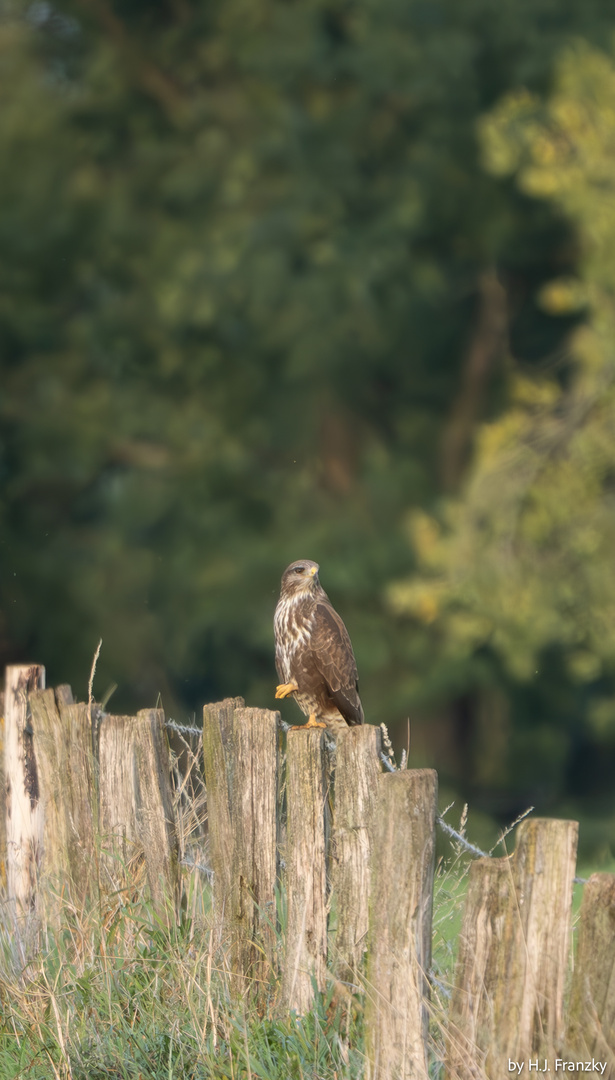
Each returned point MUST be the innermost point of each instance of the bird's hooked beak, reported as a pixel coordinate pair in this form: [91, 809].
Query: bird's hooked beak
[313, 571]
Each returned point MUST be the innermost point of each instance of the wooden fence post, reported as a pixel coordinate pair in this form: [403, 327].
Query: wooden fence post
[530, 992]
[514, 954]
[471, 1022]
[24, 823]
[63, 747]
[305, 953]
[241, 765]
[357, 768]
[3, 790]
[136, 802]
[591, 1028]
[399, 949]
[254, 858]
[217, 741]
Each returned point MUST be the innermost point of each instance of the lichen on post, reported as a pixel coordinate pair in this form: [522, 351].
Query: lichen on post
[217, 743]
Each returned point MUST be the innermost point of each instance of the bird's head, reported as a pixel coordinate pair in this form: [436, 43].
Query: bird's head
[300, 577]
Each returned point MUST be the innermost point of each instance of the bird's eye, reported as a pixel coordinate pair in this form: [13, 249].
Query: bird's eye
[299, 569]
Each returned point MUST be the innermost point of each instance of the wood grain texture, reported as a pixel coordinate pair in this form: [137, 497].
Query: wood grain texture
[136, 805]
[591, 1027]
[63, 747]
[254, 852]
[357, 769]
[217, 765]
[23, 810]
[305, 952]
[399, 949]
[3, 789]
[509, 984]
[471, 1022]
[529, 997]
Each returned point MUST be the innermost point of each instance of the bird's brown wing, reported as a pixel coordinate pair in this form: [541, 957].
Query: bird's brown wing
[334, 659]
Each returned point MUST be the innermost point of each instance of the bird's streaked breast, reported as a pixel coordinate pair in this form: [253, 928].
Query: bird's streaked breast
[292, 628]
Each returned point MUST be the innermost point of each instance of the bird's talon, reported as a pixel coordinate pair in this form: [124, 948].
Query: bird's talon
[284, 689]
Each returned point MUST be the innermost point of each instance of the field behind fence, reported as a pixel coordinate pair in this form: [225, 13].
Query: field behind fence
[321, 867]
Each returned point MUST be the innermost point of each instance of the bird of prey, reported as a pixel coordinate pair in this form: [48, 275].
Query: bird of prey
[313, 654]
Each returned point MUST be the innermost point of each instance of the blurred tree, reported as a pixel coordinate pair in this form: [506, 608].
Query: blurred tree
[519, 568]
[248, 311]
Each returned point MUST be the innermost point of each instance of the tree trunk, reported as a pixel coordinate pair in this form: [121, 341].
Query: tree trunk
[487, 344]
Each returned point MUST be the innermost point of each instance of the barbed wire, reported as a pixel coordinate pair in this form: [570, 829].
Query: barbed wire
[450, 831]
[183, 729]
[187, 861]
[388, 761]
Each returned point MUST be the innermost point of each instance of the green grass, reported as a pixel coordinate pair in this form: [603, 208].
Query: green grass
[134, 998]
[125, 994]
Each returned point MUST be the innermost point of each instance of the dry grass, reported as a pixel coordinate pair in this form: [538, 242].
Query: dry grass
[120, 990]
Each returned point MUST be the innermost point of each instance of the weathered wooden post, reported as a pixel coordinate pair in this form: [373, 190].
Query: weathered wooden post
[3, 790]
[357, 769]
[136, 802]
[23, 816]
[217, 742]
[399, 947]
[591, 1026]
[254, 859]
[509, 983]
[471, 1022]
[240, 759]
[63, 748]
[305, 953]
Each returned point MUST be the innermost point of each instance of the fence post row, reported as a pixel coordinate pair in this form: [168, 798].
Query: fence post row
[80, 810]
[88, 798]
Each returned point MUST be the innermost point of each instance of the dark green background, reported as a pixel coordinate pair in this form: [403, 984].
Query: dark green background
[241, 253]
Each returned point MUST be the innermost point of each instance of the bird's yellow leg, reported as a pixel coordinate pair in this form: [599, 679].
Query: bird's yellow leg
[312, 723]
[284, 689]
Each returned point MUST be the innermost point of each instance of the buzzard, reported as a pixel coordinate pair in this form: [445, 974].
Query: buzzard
[313, 654]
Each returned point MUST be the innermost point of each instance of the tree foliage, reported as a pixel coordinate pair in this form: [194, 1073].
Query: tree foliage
[521, 564]
[247, 302]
